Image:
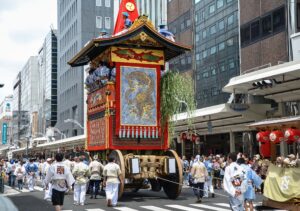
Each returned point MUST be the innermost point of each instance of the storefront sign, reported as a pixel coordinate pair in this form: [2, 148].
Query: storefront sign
[4, 133]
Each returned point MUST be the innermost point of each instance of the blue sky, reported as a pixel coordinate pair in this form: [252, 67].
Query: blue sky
[23, 27]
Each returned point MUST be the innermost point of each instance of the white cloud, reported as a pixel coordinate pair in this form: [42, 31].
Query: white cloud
[24, 25]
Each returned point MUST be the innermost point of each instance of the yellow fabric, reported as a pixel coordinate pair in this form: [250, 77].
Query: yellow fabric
[282, 184]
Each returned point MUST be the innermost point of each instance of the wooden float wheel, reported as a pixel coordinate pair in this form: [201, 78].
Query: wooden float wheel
[173, 186]
[119, 159]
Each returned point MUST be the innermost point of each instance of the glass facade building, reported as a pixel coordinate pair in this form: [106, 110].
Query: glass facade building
[216, 49]
[79, 21]
[47, 102]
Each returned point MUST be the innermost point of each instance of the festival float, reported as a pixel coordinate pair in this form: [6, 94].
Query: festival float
[281, 189]
[124, 111]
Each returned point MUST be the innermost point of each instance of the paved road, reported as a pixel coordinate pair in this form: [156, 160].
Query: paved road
[140, 201]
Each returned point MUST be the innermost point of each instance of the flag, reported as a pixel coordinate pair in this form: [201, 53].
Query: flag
[128, 6]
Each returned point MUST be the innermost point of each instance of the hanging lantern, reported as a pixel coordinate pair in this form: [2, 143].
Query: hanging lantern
[183, 136]
[276, 136]
[263, 136]
[194, 137]
[197, 141]
[291, 135]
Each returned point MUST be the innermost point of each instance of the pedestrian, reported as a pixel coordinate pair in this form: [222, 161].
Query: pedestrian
[11, 167]
[20, 172]
[208, 186]
[199, 175]
[48, 190]
[235, 183]
[112, 179]
[61, 178]
[96, 169]
[81, 174]
[253, 180]
[185, 165]
[31, 170]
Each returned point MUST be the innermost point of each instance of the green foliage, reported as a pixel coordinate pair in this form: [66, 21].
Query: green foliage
[177, 96]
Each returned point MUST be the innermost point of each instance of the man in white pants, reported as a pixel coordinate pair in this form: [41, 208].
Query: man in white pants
[45, 168]
[112, 179]
[31, 170]
[81, 173]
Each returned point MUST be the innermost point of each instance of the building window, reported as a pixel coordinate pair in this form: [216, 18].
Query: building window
[220, 3]
[229, 1]
[205, 75]
[278, 19]
[189, 60]
[266, 23]
[204, 54]
[197, 38]
[211, 9]
[197, 57]
[221, 25]
[98, 22]
[214, 91]
[221, 46]
[107, 3]
[222, 67]
[230, 42]
[98, 3]
[204, 34]
[213, 50]
[230, 20]
[245, 34]
[255, 30]
[213, 29]
[107, 22]
[231, 64]
[213, 70]
[196, 1]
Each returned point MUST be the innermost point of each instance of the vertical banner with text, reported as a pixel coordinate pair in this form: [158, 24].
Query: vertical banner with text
[4, 133]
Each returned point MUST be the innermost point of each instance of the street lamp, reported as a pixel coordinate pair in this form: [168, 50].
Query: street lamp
[75, 122]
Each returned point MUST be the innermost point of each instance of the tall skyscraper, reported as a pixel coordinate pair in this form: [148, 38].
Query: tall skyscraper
[47, 92]
[78, 22]
[25, 99]
[216, 49]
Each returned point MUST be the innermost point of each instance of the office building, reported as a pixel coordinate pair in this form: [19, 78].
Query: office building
[155, 9]
[180, 24]
[47, 92]
[216, 49]
[25, 100]
[78, 22]
[264, 34]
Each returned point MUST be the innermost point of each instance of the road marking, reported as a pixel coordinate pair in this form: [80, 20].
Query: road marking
[154, 208]
[183, 207]
[96, 209]
[124, 209]
[38, 188]
[222, 204]
[209, 207]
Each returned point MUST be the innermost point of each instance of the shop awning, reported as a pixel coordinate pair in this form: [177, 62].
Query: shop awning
[277, 122]
[68, 142]
[279, 83]
[222, 118]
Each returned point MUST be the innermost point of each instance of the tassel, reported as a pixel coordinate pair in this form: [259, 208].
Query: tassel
[145, 132]
[141, 132]
[123, 132]
[153, 131]
[136, 132]
[120, 132]
[128, 132]
[132, 132]
[149, 132]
